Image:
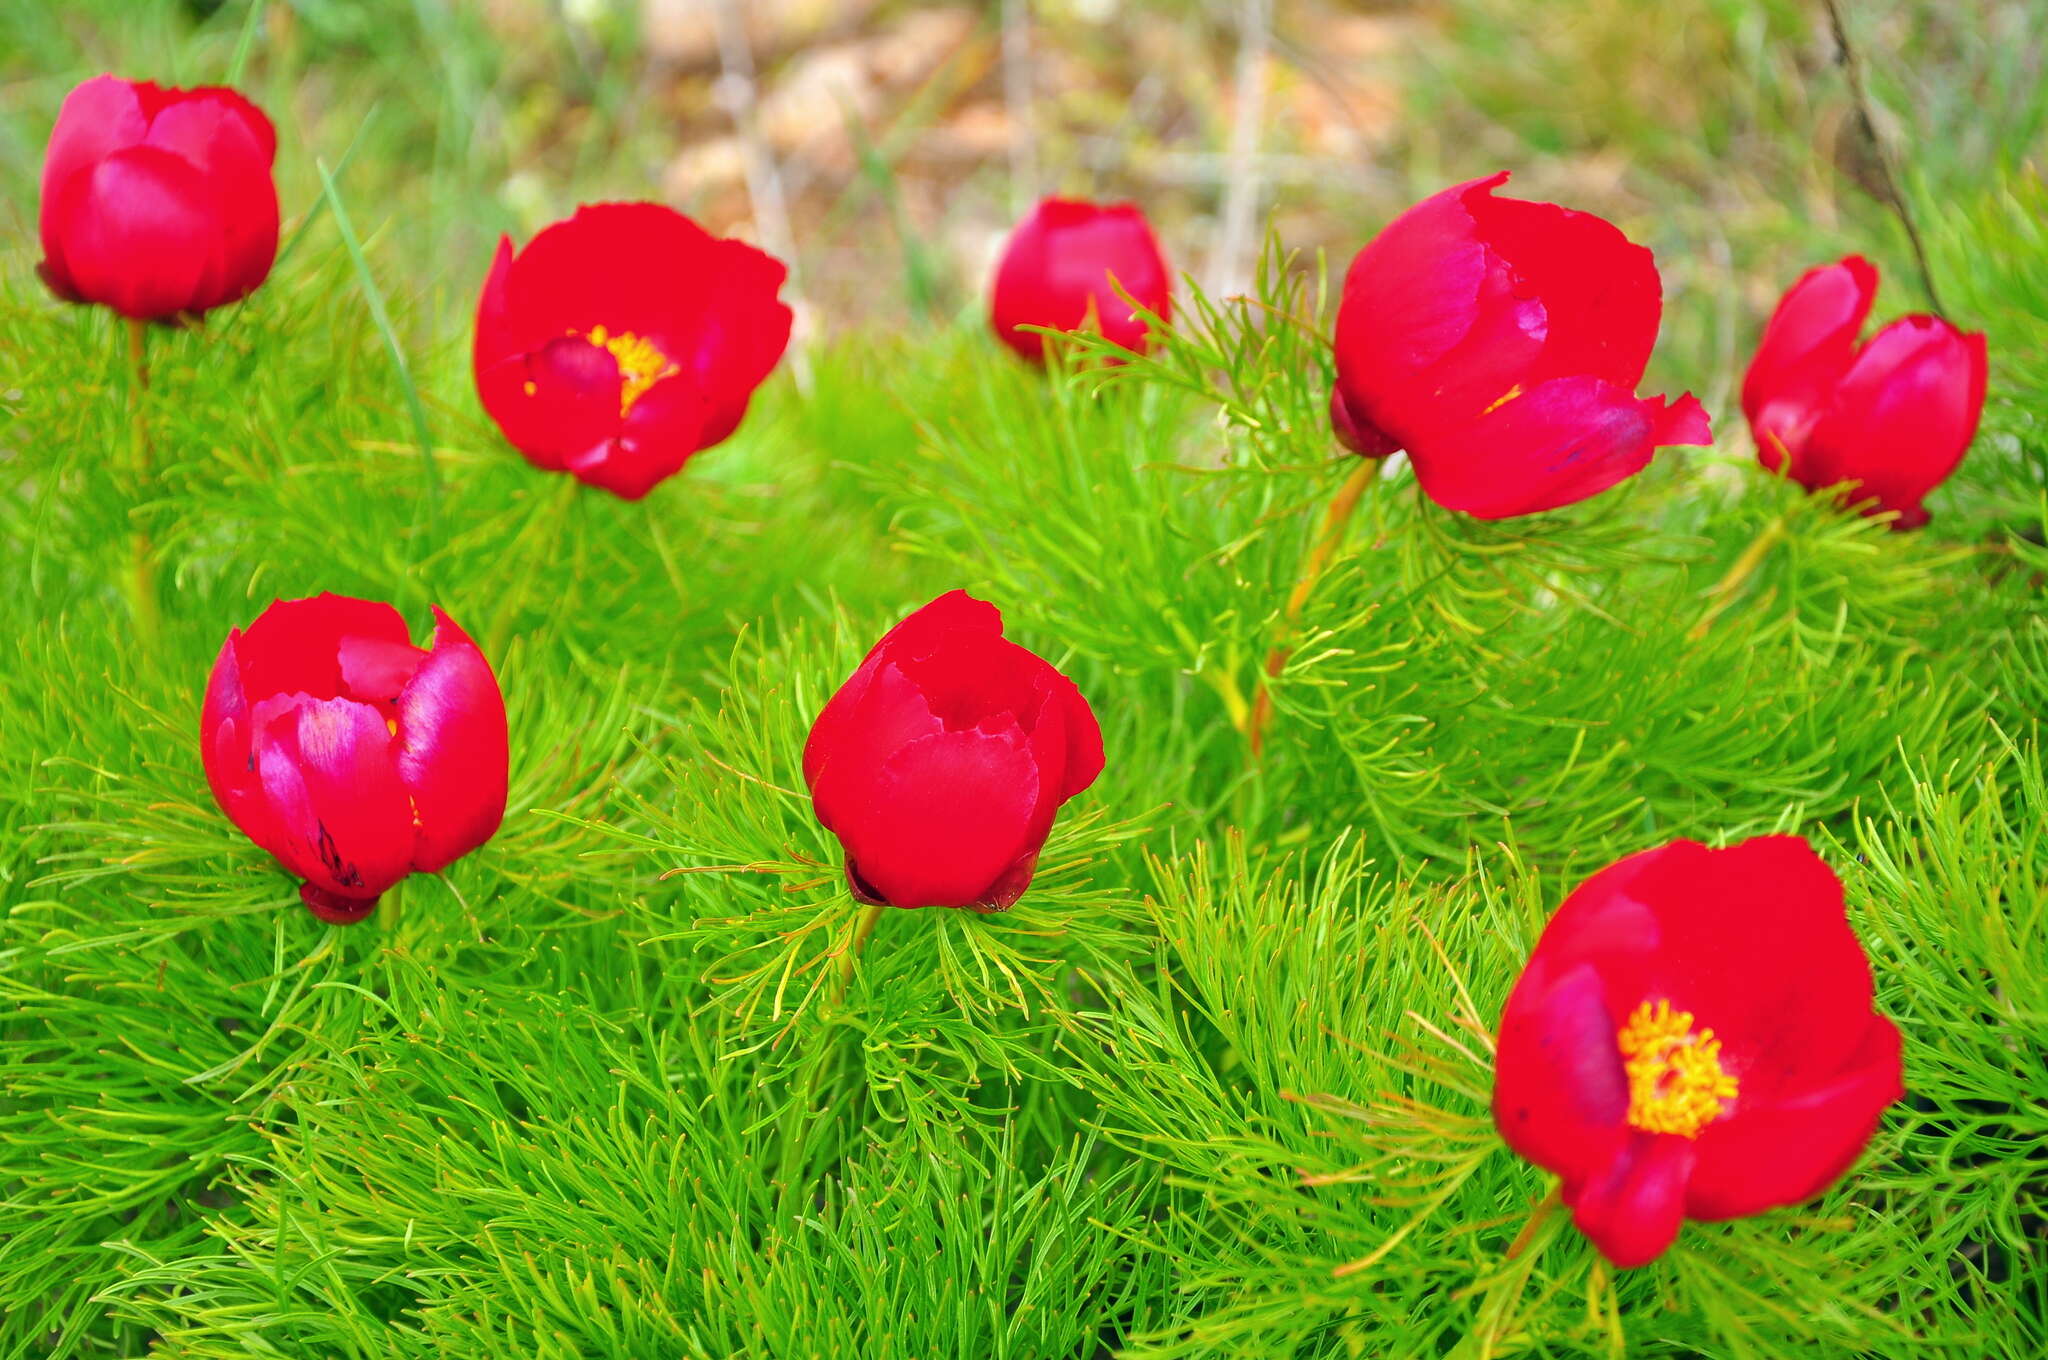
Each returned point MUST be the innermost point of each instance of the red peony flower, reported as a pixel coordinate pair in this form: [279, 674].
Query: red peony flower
[157, 203]
[1063, 266]
[353, 756]
[1500, 342]
[624, 340]
[1693, 1038]
[1893, 417]
[941, 763]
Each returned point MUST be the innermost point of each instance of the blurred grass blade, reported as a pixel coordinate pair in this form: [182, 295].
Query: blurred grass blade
[379, 314]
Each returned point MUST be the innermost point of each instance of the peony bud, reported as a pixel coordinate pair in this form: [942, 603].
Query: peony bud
[351, 755]
[1892, 418]
[1062, 269]
[941, 763]
[157, 203]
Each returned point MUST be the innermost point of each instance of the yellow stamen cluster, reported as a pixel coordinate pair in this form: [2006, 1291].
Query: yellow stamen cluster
[1675, 1081]
[641, 363]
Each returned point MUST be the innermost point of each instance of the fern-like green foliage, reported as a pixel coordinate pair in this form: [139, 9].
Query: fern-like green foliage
[629, 1081]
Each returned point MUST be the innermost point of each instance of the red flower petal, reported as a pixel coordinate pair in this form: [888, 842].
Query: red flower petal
[916, 635]
[224, 749]
[1806, 348]
[1083, 756]
[1785, 1151]
[228, 141]
[736, 337]
[343, 821]
[1600, 294]
[1551, 446]
[295, 645]
[1066, 262]
[640, 270]
[138, 231]
[99, 117]
[662, 432]
[625, 266]
[557, 404]
[947, 816]
[1360, 436]
[1902, 416]
[374, 670]
[497, 335]
[1756, 944]
[453, 749]
[1631, 1210]
[1435, 325]
[1561, 1096]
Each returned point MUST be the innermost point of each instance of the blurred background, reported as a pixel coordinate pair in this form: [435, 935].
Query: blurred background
[883, 146]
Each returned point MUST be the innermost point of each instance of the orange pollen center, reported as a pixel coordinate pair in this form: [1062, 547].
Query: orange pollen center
[641, 362]
[1675, 1081]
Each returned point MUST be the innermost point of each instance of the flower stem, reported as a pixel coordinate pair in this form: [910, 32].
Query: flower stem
[142, 575]
[1888, 170]
[1335, 520]
[1723, 592]
[1545, 1207]
[861, 930]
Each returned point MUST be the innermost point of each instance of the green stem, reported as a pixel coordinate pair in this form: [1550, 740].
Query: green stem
[141, 571]
[1335, 520]
[1723, 592]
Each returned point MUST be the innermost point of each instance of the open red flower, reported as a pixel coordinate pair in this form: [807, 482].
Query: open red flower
[1062, 269]
[157, 202]
[1693, 1038]
[624, 340]
[1500, 343]
[351, 755]
[1893, 417]
[942, 761]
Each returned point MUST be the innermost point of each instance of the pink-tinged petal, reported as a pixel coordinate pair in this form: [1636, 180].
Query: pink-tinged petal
[1435, 324]
[99, 117]
[660, 434]
[1070, 265]
[1360, 436]
[556, 404]
[1560, 1095]
[453, 751]
[1790, 1149]
[1807, 346]
[1551, 446]
[138, 232]
[294, 646]
[1902, 417]
[231, 107]
[947, 816]
[1632, 1208]
[343, 820]
[224, 745]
